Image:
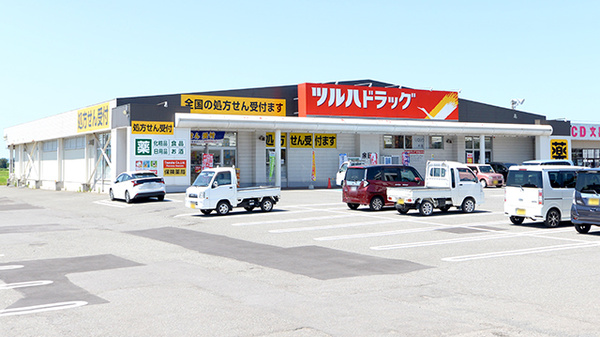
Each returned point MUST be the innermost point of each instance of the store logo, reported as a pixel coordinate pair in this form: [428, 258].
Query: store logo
[559, 148]
[143, 147]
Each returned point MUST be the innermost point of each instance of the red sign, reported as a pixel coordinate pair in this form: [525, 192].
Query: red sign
[174, 164]
[358, 101]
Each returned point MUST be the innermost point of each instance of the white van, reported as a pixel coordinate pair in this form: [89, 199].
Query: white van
[540, 193]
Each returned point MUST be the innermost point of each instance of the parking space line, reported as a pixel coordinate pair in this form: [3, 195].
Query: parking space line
[112, 203]
[11, 267]
[520, 252]
[25, 284]
[406, 231]
[467, 239]
[292, 220]
[316, 228]
[41, 308]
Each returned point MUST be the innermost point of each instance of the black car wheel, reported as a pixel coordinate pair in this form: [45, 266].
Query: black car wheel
[127, 197]
[468, 205]
[376, 204]
[426, 208]
[352, 206]
[517, 220]
[223, 208]
[266, 205]
[583, 229]
[552, 218]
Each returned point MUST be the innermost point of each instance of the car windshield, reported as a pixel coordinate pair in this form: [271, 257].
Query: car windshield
[518, 178]
[588, 182]
[486, 169]
[355, 174]
[144, 175]
[203, 178]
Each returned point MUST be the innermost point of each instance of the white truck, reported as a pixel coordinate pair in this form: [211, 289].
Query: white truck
[447, 184]
[217, 189]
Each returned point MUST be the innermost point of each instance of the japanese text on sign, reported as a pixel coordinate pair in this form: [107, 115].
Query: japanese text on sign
[160, 147]
[156, 128]
[585, 131]
[346, 100]
[325, 141]
[303, 140]
[559, 149]
[173, 168]
[270, 141]
[234, 105]
[93, 118]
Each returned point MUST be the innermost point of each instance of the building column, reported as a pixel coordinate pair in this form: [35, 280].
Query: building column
[60, 147]
[277, 142]
[482, 149]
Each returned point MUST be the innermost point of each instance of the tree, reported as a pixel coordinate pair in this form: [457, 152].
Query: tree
[3, 163]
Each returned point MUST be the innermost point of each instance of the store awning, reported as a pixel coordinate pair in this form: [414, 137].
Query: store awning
[355, 125]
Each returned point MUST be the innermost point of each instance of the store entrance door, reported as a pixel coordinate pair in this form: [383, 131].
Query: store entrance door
[221, 157]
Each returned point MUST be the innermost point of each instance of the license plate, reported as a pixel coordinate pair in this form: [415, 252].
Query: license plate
[192, 205]
[353, 188]
[593, 202]
[495, 182]
[400, 202]
[520, 211]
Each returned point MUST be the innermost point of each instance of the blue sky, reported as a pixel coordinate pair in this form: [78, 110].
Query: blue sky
[62, 55]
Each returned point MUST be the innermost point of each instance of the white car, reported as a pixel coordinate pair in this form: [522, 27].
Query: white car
[136, 185]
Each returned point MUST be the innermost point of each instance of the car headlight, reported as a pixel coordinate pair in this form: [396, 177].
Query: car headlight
[201, 195]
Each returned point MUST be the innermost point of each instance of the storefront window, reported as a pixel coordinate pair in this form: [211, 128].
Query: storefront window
[586, 157]
[472, 152]
[219, 144]
[436, 142]
[397, 142]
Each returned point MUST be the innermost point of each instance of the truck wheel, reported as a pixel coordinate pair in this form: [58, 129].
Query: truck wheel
[426, 208]
[266, 205]
[402, 209]
[223, 208]
[552, 218]
[483, 183]
[353, 206]
[517, 220]
[581, 228]
[468, 205]
[376, 204]
[206, 211]
[249, 208]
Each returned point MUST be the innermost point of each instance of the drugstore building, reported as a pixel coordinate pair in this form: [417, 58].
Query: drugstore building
[318, 127]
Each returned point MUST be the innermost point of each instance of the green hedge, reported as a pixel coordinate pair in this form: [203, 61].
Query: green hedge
[3, 176]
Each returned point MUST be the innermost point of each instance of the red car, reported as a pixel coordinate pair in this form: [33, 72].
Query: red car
[367, 185]
[486, 175]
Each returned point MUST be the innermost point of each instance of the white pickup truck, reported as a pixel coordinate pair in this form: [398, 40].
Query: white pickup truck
[447, 184]
[216, 189]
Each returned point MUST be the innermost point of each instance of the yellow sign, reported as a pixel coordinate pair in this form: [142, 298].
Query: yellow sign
[559, 149]
[303, 140]
[271, 139]
[325, 141]
[152, 128]
[96, 117]
[234, 105]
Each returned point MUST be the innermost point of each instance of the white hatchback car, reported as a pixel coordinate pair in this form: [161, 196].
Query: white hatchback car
[136, 185]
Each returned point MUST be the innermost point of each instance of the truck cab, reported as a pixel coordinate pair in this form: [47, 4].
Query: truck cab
[217, 189]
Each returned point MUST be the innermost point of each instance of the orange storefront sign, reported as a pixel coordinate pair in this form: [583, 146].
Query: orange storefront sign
[361, 101]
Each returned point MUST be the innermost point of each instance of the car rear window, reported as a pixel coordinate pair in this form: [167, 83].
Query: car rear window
[355, 174]
[588, 182]
[518, 178]
[144, 175]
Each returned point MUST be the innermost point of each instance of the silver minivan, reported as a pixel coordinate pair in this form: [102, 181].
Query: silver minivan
[540, 193]
[585, 209]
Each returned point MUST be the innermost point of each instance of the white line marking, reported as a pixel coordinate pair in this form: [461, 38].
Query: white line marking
[467, 239]
[519, 252]
[292, 220]
[25, 284]
[112, 203]
[42, 308]
[316, 228]
[189, 214]
[410, 230]
[10, 267]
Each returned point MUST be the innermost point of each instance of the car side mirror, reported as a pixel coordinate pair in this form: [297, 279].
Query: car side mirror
[215, 184]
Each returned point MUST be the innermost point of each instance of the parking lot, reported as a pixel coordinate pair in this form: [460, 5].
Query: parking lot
[74, 264]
